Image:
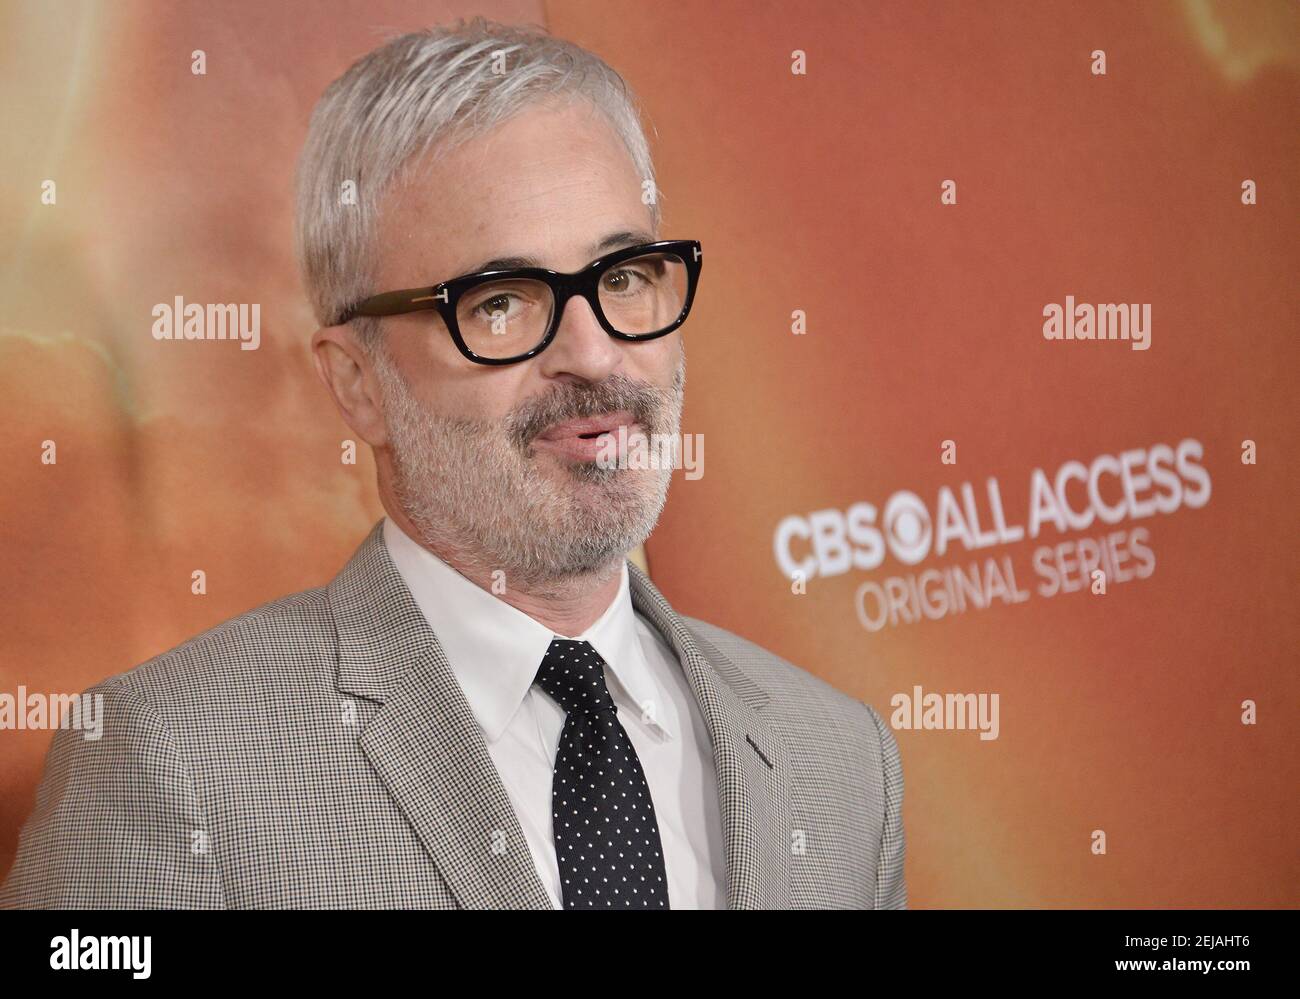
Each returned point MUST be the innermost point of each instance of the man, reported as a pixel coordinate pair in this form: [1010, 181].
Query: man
[490, 706]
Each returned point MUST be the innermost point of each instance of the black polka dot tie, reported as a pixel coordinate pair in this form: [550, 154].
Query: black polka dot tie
[606, 836]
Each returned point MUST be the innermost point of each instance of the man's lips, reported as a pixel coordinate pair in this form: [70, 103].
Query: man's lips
[584, 439]
[591, 426]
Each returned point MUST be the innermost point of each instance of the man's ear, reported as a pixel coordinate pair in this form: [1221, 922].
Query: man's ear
[349, 377]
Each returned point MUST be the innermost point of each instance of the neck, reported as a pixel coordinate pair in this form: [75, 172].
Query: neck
[567, 606]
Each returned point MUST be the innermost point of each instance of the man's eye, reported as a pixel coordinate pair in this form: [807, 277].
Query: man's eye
[623, 280]
[497, 304]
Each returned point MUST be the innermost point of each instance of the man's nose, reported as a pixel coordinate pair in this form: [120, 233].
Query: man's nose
[581, 346]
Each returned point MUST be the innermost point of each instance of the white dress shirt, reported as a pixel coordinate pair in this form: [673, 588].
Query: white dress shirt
[496, 649]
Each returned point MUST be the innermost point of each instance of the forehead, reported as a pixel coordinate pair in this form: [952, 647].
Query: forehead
[548, 183]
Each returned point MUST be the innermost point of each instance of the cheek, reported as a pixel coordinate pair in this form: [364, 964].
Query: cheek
[444, 380]
[667, 358]
[422, 341]
[484, 394]
[409, 342]
[656, 360]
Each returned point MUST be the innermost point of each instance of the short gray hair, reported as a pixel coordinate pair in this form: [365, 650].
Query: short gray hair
[429, 91]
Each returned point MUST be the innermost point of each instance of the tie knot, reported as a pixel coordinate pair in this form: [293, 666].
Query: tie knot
[573, 674]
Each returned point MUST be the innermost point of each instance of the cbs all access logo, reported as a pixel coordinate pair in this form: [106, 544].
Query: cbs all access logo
[1103, 496]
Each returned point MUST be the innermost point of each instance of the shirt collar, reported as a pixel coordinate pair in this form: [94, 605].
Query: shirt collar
[495, 649]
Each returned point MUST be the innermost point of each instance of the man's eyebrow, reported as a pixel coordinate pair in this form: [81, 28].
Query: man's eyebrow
[614, 241]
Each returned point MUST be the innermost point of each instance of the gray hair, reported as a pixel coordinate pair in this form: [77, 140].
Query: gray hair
[428, 92]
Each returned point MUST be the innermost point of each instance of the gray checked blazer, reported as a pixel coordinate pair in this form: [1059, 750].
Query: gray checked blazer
[318, 752]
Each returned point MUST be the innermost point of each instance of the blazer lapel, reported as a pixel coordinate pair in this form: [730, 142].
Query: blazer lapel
[425, 741]
[428, 748]
[751, 760]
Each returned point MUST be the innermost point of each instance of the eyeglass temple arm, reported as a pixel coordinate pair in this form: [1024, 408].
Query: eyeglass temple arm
[393, 303]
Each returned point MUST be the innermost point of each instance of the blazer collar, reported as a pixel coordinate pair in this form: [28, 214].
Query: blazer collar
[428, 748]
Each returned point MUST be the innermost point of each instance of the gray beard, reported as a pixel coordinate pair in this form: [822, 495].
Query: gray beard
[473, 490]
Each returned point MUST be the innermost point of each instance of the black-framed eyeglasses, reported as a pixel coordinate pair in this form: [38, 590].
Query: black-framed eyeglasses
[500, 317]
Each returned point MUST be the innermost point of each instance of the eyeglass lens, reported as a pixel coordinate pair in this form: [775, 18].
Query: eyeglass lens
[507, 317]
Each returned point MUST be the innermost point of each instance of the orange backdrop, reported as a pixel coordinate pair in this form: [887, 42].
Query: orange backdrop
[818, 193]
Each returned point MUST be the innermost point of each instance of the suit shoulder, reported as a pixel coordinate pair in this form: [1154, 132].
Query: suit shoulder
[779, 678]
[266, 641]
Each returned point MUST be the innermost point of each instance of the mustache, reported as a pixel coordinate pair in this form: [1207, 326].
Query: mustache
[576, 401]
